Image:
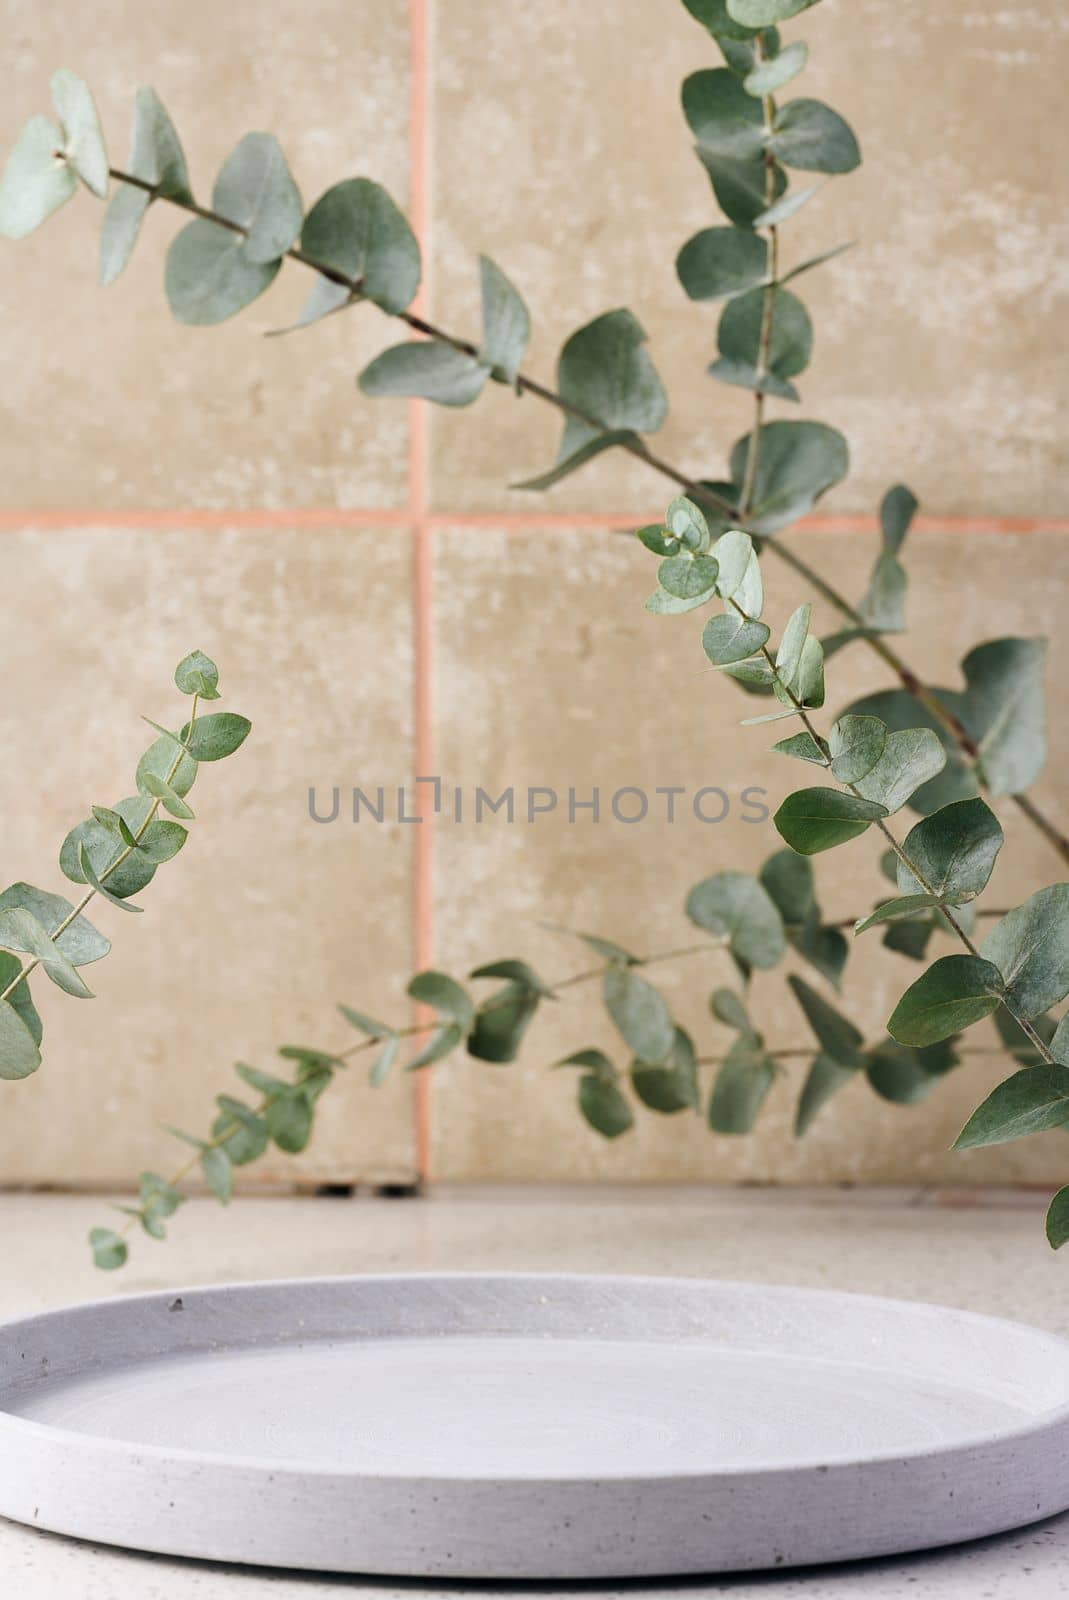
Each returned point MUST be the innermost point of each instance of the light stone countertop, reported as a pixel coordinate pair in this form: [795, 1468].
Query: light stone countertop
[984, 1252]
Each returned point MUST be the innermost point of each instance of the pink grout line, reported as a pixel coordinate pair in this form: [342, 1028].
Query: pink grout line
[208, 519]
[422, 579]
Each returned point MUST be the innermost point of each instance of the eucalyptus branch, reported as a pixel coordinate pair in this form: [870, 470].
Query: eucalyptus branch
[115, 852]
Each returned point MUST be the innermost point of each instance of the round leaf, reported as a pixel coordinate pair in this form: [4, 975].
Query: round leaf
[210, 276]
[719, 262]
[736, 907]
[954, 993]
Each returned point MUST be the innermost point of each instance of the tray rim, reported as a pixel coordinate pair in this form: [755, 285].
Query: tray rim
[14, 1426]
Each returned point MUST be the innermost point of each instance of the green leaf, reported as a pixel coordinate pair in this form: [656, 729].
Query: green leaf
[688, 577]
[21, 931]
[595, 1061]
[425, 370]
[209, 275]
[731, 638]
[756, 677]
[256, 189]
[602, 947]
[131, 877]
[639, 1013]
[744, 1078]
[719, 262]
[365, 1024]
[19, 1055]
[384, 1061]
[739, 338]
[1030, 1101]
[657, 539]
[951, 995]
[714, 15]
[954, 851]
[156, 157]
[883, 607]
[615, 438]
[501, 1023]
[796, 464]
[836, 1035]
[115, 824]
[897, 510]
[356, 229]
[806, 687]
[739, 576]
[441, 1043]
[215, 736]
[604, 1106]
[725, 120]
[741, 187]
[764, 13]
[672, 1087]
[159, 1199]
[788, 879]
[158, 759]
[86, 868]
[289, 1121]
[902, 713]
[516, 972]
[910, 938]
[786, 208]
[910, 758]
[789, 654]
[198, 674]
[1058, 1219]
[734, 906]
[20, 997]
[1004, 711]
[83, 140]
[249, 1138]
[109, 1250]
[81, 943]
[856, 745]
[444, 995]
[775, 74]
[218, 1172]
[904, 1076]
[825, 1077]
[729, 1009]
[813, 137]
[169, 798]
[605, 372]
[803, 747]
[506, 323]
[811, 820]
[686, 523]
[1030, 948]
[891, 910]
[36, 181]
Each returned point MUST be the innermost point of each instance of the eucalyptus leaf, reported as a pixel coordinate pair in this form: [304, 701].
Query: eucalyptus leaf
[743, 1081]
[723, 118]
[288, 1118]
[81, 943]
[789, 654]
[159, 760]
[810, 135]
[604, 1106]
[796, 464]
[37, 180]
[727, 1008]
[83, 138]
[954, 851]
[770, 76]
[670, 1087]
[825, 1077]
[905, 1076]
[1057, 1224]
[357, 230]
[910, 758]
[100, 888]
[730, 638]
[714, 15]
[197, 674]
[739, 339]
[156, 158]
[21, 931]
[1031, 1101]
[1004, 710]
[218, 1172]
[719, 262]
[210, 276]
[639, 1013]
[425, 370]
[739, 573]
[19, 1053]
[765, 13]
[688, 577]
[890, 910]
[444, 995]
[168, 797]
[246, 1131]
[741, 187]
[737, 908]
[1030, 948]
[836, 1035]
[856, 745]
[506, 322]
[215, 736]
[256, 189]
[109, 1248]
[950, 996]
[501, 1023]
[812, 820]
[605, 372]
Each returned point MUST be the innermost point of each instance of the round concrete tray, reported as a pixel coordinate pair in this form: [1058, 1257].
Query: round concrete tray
[527, 1426]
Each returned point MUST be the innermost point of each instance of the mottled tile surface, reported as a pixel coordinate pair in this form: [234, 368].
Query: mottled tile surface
[265, 919]
[109, 401]
[940, 340]
[551, 674]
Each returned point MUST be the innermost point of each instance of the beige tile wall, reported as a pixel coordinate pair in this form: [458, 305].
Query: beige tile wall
[556, 145]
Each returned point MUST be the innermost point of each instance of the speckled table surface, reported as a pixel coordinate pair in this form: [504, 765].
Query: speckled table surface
[985, 1252]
